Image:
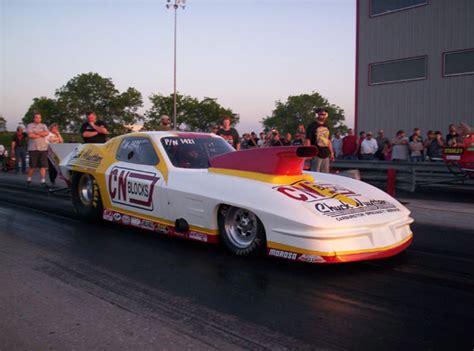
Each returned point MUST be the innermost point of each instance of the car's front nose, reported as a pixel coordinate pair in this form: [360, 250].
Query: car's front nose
[324, 245]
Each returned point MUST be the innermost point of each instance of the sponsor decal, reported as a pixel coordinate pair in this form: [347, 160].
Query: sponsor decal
[145, 224]
[114, 216]
[132, 188]
[197, 236]
[86, 159]
[311, 258]
[309, 192]
[164, 229]
[178, 141]
[136, 222]
[453, 150]
[126, 219]
[342, 211]
[108, 215]
[335, 201]
[453, 157]
[175, 233]
[283, 254]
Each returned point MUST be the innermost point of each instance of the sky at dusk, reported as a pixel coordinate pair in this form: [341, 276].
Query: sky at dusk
[246, 53]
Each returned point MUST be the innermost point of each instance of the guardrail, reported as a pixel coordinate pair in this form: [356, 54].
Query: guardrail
[409, 175]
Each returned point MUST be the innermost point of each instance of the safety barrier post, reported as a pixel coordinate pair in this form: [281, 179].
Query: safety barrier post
[391, 179]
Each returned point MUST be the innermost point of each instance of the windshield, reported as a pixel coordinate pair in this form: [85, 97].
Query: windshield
[190, 152]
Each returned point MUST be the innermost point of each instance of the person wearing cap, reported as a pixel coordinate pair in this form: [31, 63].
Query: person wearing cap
[368, 147]
[165, 123]
[18, 149]
[318, 134]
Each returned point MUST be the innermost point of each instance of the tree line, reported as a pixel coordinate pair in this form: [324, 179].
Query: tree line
[91, 92]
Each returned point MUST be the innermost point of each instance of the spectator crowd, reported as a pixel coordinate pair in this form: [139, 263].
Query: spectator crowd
[35, 139]
[365, 146]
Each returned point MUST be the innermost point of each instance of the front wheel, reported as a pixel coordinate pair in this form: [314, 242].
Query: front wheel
[85, 196]
[241, 231]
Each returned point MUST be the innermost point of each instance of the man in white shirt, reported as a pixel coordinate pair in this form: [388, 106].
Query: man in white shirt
[337, 145]
[37, 148]
[369, 147]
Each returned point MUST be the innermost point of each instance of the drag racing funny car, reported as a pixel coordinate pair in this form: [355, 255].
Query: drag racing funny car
[196, 186]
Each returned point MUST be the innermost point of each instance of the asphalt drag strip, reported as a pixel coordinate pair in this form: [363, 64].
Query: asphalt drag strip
[66, 284]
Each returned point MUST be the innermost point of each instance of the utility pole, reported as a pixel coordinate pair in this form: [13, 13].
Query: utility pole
[175, 4]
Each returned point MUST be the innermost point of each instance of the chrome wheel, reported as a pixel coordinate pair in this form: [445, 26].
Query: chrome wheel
[241, 227]
[86, 189]
[85, 195]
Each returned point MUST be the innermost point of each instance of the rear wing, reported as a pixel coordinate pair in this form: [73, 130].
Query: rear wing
[283, 160]
[58, 153]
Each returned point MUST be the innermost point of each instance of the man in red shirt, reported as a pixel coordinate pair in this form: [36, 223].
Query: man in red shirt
[349, 146]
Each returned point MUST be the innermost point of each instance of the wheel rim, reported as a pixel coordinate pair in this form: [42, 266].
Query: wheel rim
[86, 189]
[241, 227]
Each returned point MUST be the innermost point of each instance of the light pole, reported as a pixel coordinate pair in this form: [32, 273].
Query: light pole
[176, 4]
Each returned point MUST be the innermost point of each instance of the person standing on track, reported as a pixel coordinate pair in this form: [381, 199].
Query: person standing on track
[318, 134]
[37, 148]
[54, 137]
[94, 131]
[19, 147]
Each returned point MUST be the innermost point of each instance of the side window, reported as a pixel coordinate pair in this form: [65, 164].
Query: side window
[137, 150]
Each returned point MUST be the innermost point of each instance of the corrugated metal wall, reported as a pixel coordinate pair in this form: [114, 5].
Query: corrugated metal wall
[434, 103]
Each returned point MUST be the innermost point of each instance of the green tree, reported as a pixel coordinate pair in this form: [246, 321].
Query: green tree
[197, 115]
[49, 109]
[300, 109]
[91, 92]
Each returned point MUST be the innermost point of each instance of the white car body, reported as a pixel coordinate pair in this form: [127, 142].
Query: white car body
[312, 217]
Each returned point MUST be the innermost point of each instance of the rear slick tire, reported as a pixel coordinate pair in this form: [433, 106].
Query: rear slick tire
[85, 196]
[241, 231]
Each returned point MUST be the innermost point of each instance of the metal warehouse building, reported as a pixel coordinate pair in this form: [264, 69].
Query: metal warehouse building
[414, 64]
